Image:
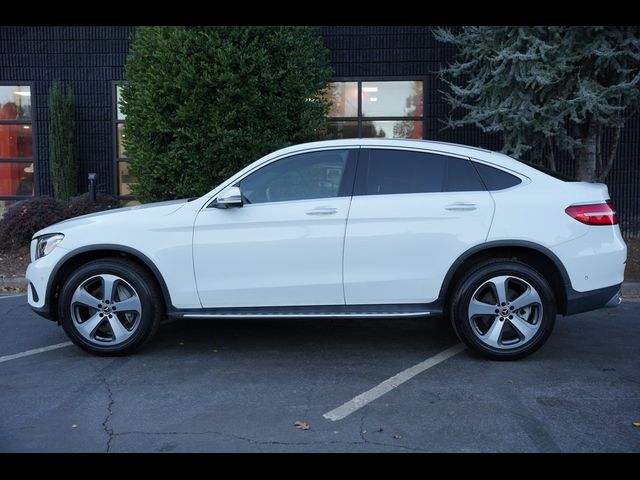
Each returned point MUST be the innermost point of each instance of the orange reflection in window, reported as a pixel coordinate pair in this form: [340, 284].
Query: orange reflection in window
[16, 141]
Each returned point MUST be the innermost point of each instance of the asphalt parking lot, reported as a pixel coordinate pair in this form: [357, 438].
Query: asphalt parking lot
[239, 386]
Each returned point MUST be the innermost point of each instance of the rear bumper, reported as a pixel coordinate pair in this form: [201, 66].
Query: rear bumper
[579, 302]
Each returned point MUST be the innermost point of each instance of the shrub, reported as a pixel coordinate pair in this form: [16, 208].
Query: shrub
[82, 205]
[202, 102]
[25, 218]
[63, 151]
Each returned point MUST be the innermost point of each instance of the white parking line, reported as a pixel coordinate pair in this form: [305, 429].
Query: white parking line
[6, 358]
[389, 384]
[13, 296]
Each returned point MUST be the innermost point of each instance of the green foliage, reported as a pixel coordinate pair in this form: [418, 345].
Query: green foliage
[203, 102]
[63, 153]
[24, 218]
[542, 87]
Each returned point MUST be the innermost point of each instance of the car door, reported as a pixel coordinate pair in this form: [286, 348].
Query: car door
[284, 246]
[413, 213]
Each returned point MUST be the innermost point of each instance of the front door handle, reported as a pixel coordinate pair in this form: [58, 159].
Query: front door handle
[322, 211]
[461, 206]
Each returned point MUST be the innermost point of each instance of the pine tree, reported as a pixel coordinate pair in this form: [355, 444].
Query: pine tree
[546, 87]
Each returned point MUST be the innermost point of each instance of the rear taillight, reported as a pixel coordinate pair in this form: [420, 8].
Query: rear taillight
[594, 214]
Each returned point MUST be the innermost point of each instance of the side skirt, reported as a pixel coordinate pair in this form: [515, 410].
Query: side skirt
[321, 311]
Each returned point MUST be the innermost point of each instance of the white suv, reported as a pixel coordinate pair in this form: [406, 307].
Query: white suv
[342, 229]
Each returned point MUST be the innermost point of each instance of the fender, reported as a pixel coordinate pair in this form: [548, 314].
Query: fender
[46, 308]
[446, 283]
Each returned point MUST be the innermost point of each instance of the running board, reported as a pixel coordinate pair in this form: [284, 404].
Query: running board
[329, 311]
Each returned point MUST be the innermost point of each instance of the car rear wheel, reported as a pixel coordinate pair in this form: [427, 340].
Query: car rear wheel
[110, 307]
[503, 310]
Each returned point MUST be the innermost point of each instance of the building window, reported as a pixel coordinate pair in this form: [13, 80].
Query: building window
[383, 109]
[124, 179]
[16, 144]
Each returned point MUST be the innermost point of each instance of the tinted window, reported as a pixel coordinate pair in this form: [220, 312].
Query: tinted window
[495, 179]
[461, 176]
[401, 171]
[299, 177]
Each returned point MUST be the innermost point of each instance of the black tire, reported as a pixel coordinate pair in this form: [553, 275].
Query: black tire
[472, 282]
[144, 285]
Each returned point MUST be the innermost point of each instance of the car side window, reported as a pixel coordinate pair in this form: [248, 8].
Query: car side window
[300, 177]
[387, 171]
[494, 178]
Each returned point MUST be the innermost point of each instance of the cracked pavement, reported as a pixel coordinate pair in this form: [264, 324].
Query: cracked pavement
[239, 386]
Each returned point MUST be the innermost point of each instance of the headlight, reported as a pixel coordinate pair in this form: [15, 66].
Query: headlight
[47, 243]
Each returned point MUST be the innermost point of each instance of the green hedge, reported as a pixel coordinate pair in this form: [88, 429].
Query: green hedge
[202, 102]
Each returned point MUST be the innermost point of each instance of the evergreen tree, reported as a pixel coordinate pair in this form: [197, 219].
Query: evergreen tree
[546, 87]
[63, 148]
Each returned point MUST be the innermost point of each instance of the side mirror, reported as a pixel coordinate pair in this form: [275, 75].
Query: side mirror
[229, 197]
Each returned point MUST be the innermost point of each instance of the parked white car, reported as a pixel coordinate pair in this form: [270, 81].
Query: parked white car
[342, 229]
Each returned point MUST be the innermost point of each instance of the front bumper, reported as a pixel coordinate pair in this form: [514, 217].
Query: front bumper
[579, 302]
[39, 278]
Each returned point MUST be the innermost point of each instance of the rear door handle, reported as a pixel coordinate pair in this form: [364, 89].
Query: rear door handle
[322, 211]
[461, 206]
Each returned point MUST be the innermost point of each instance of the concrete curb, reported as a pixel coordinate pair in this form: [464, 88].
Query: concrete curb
[629, 289]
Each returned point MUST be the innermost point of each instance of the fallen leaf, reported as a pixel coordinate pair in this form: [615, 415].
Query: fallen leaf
[302, 425]
[636, 424]
[180, 343]
[215, 351]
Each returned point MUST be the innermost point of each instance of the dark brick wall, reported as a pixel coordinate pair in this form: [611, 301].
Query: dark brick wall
[89, 59]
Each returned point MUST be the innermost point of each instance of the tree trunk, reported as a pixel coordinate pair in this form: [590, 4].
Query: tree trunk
[612, 155]
[586, 155]
[551, 157]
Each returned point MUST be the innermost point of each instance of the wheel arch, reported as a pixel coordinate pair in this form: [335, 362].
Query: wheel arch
[537, 256]
[94, 252]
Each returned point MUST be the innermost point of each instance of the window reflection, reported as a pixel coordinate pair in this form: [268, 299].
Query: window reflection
[16, 142]
[122, 151]
[392, 99]
[15, 102]
[120, 115]
[392, 129]
[388, 109]
[348, 129]
[343, 97]
[125, 179]
[16, 179]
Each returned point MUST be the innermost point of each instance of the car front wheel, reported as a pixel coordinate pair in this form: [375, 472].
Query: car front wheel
[110, 307]
[503, 310]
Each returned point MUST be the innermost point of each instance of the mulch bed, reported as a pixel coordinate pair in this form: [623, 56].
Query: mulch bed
[13, 265]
